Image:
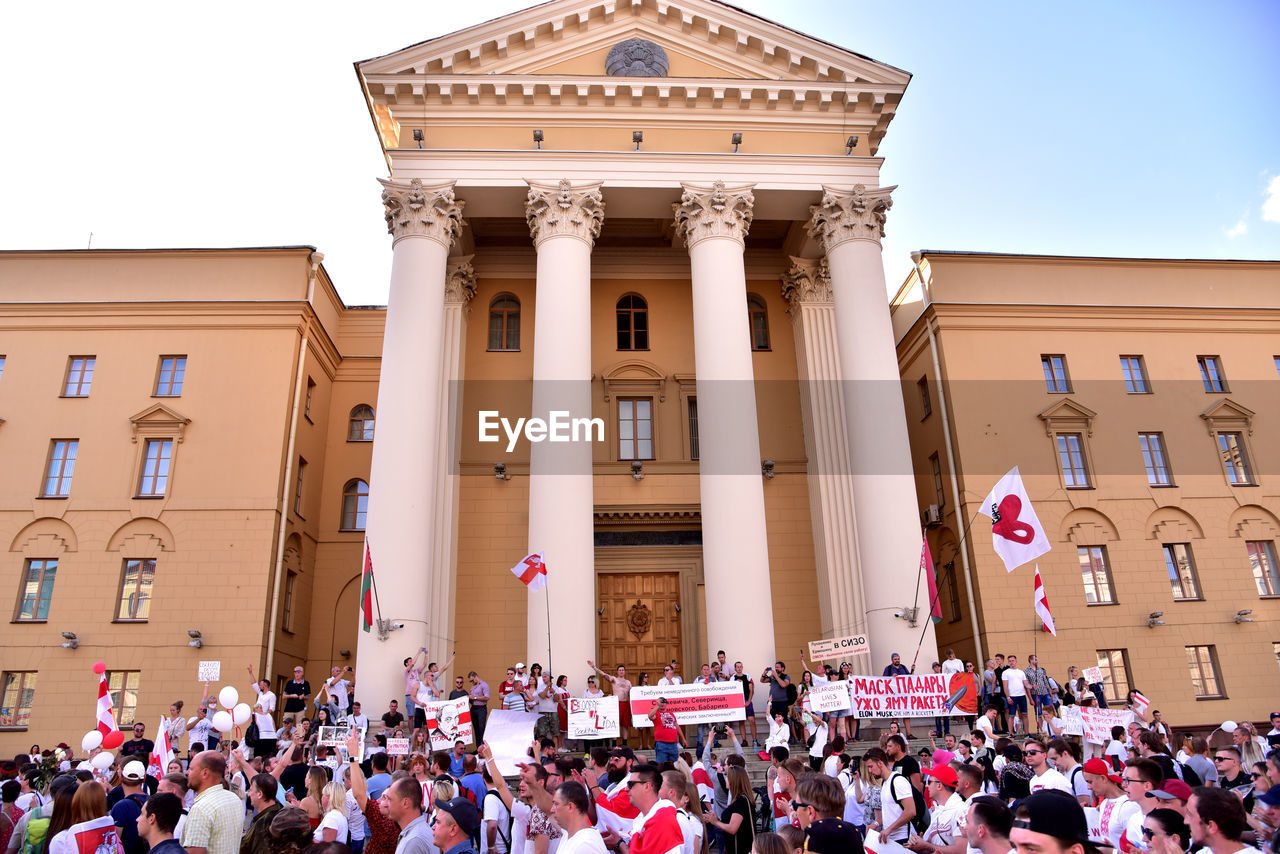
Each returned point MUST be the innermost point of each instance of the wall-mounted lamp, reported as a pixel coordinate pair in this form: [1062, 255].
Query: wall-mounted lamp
[537, 139]
[736, 139]
[766, 469]
[1153, 619]
[72, 641]
[417, 136]
[345, 653]
[1243, 616]
[500, 471]
[850, 144]
[637, 136]
[637, 469]
[197, 639]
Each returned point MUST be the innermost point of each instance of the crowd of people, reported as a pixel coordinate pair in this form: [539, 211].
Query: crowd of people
[1000, 773]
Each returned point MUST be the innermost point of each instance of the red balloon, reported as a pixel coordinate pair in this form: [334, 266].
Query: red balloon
[113, 739]
[99, 668]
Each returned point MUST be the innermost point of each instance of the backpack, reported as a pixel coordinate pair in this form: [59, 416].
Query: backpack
[920, 823]
[1188, 774]
[37, 828]
[791, 693]
[505, 837]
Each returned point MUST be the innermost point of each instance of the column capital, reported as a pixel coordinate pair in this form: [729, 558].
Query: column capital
[564, 210]
[459, 280]
[807, 281]
[414, 209]
[714, 211]
[843, 215]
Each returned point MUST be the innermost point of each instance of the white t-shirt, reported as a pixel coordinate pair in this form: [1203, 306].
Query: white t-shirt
[334, 820]
[819, 740]
[674, 680]
[29, 800]
[545, 704]
[356, 822]
[339, 689]
[831, 767]
[984, 723]
[892, 792]
[1051, 779]
[520, 813]
[691, 828]
[854, 810]
[494, 811]
[952, 665]
[585, 841]
[266, 700]
[1113, 818]
[945, 821]
[1079, 785]
[1015, 683]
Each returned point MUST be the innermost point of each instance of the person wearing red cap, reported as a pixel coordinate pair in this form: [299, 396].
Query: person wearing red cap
[948, 812]
[1174, 794]
[1114, 807]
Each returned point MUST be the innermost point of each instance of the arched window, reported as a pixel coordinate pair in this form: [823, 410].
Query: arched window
[633, 323]
[759, 315]
[504, 323]
[360, 428]
[355, 505]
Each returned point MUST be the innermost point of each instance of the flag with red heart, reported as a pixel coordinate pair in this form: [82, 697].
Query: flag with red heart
[1016, 532]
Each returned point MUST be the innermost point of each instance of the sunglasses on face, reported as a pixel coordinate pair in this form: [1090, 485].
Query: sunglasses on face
[1031, 752]
[799, 805]
[1222, 758]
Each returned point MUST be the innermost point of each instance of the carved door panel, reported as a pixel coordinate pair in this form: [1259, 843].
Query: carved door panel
[640, 626]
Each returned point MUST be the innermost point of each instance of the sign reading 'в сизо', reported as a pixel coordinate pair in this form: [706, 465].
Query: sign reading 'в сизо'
[923, 696]
[821, 650]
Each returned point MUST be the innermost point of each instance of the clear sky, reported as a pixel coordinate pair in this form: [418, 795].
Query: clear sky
[1111, 128]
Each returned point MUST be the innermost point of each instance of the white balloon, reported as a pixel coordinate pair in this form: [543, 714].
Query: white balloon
[223, 722]
[241, 714]
[228, 697]
[102, 761]
[1229, 726]
[92, 741]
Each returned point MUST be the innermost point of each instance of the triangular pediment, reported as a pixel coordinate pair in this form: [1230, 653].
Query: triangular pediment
[159, 420]
[1226, 413]
[1067, 414]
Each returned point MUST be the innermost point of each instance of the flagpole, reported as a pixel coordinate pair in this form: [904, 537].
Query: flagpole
[547, 589]
[373, 580]
[937, 594]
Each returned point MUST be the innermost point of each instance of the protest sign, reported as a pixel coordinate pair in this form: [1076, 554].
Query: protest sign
[332, 736]
[1093, 675]
[508, 734]
[694, 703]
[449, 721]
[831, 697]
[397, 747]
[922, 696]
[593, 717]
[1098, 722]
[1093, 819]
[209, 671]
[838, 647]
[1072, 724]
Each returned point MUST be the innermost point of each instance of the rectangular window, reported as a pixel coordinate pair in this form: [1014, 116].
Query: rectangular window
[939, 497]
[925, 404]
[2, 365]
[953, 591]
[1211, 374]
[1071, 460]
[1276, 359]
[297, 487]
[169, 377]
[1275, 650]
[37, 589]
[311, 389]
[1262, 560]
[1206, 681]
[635, 428]
[155, 468]
[135, 589]
[1055, 374]
[17, 693]
[1114, 664]
[1234, 459]
[693, 428]
[1096, 573]
[123, 687]
[79, 376]
[1182, 571]
[290, 582]
[62, 464]
[1135, 375]
[1155, 459]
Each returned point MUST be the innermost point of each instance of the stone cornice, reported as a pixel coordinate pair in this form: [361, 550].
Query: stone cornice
[807, 281]
[414, 209]
[564, 209]
[844, 215]
[716, 211]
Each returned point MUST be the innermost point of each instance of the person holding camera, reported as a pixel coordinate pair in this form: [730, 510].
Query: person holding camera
[667, 737]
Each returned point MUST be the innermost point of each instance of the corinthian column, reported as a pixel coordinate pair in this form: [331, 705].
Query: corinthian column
[735, 549]
[850, 225]
[807, 288]
[564, 222]
[401, 531]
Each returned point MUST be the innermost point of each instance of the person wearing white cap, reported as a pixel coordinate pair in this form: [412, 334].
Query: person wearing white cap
[126, 811]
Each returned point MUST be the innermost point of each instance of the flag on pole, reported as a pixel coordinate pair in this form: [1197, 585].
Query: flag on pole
[1016, 533]
[926, 566]
[1042, 606]
[532, 571]
[366, 591]
[106, 720]
[162, 753]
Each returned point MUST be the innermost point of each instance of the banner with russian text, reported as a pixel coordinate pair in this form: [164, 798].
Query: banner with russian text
[593, 717]
[449, 721]
[695, 703]
[820, 650]
[1098, 722]
[914, 696]
[831, 697]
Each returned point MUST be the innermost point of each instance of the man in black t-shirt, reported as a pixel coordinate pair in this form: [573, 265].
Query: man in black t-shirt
[393, 719]
[138, 745]
[294, 777]
[296, 694]
[903, 762]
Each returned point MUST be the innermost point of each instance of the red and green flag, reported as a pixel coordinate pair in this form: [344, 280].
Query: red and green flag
[926, 566]
[366, 591]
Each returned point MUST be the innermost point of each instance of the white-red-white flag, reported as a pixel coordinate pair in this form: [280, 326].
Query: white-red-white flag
[1016, 532]
[162, 753]
[106, 720]
[1042, 606]
[532, 571]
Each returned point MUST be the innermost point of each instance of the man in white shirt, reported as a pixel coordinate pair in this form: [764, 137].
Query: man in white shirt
[339, 688]
[897, 804]
[569, 807]
[266, 701]
[1114, 807]
[1217, 820]
[948, 811]
[1138, 777]
[1015, 691]
[1044, 775]
[1063, 756]
[952, 665]
[987, 825]
[357, 719]
[986, 722]
[669, 677]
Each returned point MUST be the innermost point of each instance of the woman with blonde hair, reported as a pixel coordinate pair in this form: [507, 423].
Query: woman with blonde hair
[736, 821]
[333, 822]
[313, 803]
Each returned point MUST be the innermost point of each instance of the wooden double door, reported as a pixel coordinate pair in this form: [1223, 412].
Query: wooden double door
[640, 624]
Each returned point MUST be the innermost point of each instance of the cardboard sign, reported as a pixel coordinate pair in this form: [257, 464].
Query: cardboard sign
[1098, 722]
[1072, 723]
[594, 717]
[831, 697]
[820, 650]
[1093, 819]
[1093, 675]
[915, 696]
[397, 747]
[508, 734]
[449, 721]
[695, 703]
[333, 736]
[209, 671]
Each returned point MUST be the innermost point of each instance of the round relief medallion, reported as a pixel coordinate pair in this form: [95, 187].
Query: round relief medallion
[636, 58]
